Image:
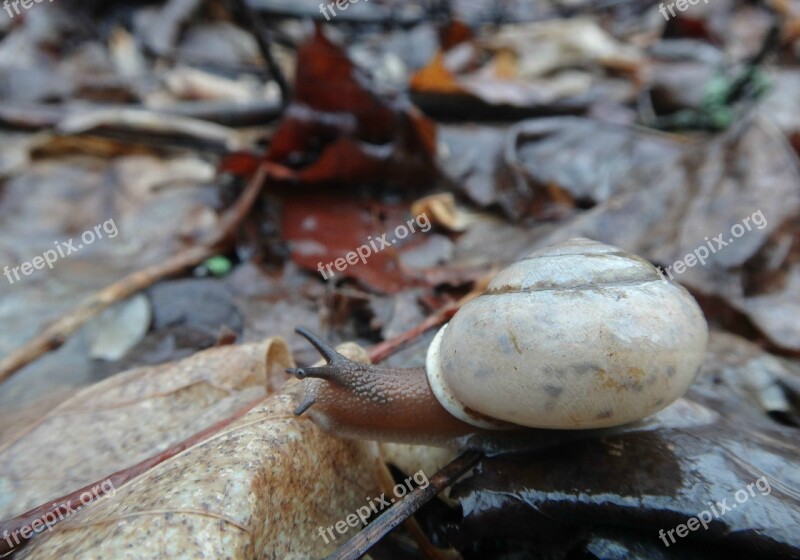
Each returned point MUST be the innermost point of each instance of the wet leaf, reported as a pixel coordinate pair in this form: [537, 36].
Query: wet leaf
[548, 165]
[54, 201]
[545, 65]
[312, 226]
[732, 197]
[345, 132]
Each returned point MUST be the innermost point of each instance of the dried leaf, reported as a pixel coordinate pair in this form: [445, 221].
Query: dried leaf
[550, 65]
[318, 242]
[178, 400]
[338, 130]
[242, 493]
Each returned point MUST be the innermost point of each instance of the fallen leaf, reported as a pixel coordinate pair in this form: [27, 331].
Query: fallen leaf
[550, 66]
[64, 449]
[246, 491]
[338, 130]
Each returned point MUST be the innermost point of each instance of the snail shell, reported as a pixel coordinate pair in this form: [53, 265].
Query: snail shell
[577, 335]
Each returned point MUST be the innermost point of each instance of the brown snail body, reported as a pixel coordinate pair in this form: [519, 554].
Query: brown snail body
[578, 336]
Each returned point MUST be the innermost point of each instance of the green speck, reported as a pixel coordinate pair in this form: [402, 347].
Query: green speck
[218, 266]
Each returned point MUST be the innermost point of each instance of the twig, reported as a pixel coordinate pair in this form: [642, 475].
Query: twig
[56, 334]
[383, 350]
[770, 43]
[63, 505]
[37, 116]
[426, 548]
[263, 36]
[405, 508]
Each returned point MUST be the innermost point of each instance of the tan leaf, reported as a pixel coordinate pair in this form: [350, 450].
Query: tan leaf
[125, 419]
[266, 486]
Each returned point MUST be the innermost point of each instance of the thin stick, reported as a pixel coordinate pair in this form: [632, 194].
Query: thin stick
[263, 37]
[57, 333]
[383, 350]
[405, 508]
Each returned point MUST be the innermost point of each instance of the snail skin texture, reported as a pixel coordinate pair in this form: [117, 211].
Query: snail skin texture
[577, 336]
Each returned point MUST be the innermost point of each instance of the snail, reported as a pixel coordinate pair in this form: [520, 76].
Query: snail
[576, 336]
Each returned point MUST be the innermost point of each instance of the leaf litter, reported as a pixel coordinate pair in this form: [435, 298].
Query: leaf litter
[540, 125]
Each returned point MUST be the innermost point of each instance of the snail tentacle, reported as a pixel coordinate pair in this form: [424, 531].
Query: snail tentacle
[326, 350]
[308, 401]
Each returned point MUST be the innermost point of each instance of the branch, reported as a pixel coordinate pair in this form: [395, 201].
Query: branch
[263, 37]
[55, 335]
[405, 508]
[383, 350]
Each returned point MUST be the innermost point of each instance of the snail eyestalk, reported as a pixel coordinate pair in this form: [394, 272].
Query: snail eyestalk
[328, 352]
[338, 369]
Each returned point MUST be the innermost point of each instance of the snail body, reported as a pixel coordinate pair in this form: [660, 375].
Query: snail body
[577, 336]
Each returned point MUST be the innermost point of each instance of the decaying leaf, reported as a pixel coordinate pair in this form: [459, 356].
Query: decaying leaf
[262, 487]
[367, 250]
[345, 132]
[550, 65]
[561, 161]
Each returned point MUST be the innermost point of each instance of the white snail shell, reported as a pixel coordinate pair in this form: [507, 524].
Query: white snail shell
[577, 335]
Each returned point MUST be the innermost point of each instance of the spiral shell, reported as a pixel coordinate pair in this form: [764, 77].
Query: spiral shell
[577, 335]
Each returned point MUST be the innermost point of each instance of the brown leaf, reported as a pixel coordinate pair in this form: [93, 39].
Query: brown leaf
[338, 130]
[101, 429]
[436, 78]
[313, 227]
[260, 488]
[551, 65]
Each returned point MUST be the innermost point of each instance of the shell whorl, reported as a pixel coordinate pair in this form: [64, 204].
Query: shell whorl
[577, 335]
